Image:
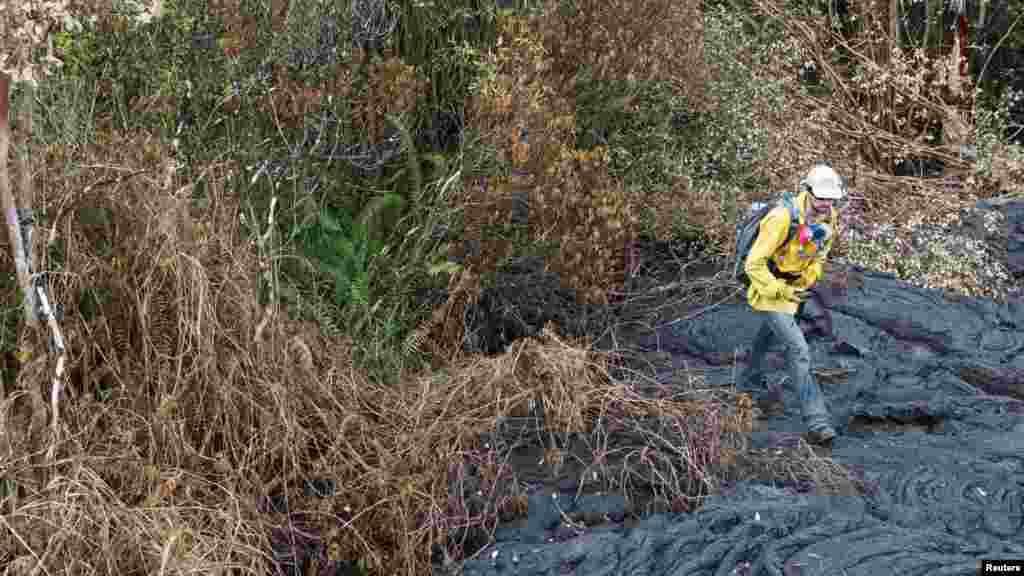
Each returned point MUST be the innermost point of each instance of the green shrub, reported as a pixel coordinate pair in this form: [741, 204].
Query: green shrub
[632, 119]
[730, 50]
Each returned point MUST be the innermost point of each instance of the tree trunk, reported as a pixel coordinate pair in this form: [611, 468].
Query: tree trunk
[25, 197]
[894, 25]
[10, 208]
[926, 41]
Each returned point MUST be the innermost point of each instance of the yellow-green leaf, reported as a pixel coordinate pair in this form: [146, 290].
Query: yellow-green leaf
[446, 267]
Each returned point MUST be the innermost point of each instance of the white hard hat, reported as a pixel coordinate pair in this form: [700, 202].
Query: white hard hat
[823, 182]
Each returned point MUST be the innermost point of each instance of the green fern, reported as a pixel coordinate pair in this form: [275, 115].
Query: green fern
[360, 291]
[343, 250]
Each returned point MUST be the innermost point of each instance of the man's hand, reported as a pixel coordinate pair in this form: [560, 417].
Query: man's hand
[793, 294]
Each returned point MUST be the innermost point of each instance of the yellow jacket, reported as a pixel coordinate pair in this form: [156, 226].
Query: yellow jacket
[791, 257]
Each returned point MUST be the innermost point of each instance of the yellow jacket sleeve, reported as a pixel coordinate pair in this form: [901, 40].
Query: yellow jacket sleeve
[770, 236]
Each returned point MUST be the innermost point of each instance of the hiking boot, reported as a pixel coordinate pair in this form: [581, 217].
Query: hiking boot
[823, 436]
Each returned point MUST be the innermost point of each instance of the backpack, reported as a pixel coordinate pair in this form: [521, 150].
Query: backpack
[748, 228]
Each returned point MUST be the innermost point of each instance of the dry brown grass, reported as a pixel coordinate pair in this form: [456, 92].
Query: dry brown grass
[796, 464]
[170, 472]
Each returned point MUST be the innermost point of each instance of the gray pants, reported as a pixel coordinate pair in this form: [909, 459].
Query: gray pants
[782, 327]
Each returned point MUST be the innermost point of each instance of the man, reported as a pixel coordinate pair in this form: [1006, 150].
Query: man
[780, 274]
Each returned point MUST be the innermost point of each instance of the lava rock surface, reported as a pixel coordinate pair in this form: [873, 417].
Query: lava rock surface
[930, 418]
